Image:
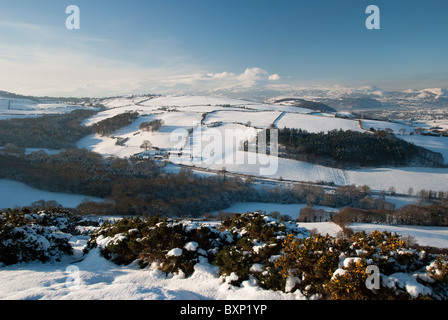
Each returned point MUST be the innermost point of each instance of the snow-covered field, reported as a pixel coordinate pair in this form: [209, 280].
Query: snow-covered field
[406, 132]
[436, 144]
[400, 178]
[424, 236]
[316, 123]
[218, 115]
[181, 113]
[16, 194]
[102, 279]
[259, 119]
[23, 108]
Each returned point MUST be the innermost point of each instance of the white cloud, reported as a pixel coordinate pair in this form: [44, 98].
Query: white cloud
[252, 74]
[222, 75]
[65, 65]
[249, 74]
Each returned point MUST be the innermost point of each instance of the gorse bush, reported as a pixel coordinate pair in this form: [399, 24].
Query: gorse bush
[173, 245]
[279, 255]
[28, 235]
[330, 268]
[271, 253]
[244, 245]
[257, 244]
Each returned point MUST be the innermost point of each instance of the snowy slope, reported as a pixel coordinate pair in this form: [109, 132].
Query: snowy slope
[23, 108]
[317, 123]
[400, 178]
[100, 279]
[210, 117]
[13, 193]
[259, 119]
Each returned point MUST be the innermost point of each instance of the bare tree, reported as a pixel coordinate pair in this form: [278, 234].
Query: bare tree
[146, 145]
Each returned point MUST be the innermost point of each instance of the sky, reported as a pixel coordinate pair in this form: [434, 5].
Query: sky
[174, 46]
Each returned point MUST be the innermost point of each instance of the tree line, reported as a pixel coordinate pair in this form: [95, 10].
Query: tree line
[110, 125]
[60, 131]
[421, 215]
[136, 187]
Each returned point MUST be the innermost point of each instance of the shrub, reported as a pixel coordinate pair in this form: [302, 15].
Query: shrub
[278, 255]
[173, 245]
[245, 245]
[36, 235]
[350, 283]
[332, 268]
[258, 244]
[438, 269]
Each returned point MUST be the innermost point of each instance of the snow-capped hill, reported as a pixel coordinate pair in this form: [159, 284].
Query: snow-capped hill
[367, 97]
[18, 106]
[433, 93]
[301, 103]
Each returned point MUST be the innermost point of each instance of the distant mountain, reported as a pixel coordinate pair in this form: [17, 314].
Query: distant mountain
[300, 103]
[336, 97]
[9, 95]
[368, 98]
[14, 96]
[321, 98]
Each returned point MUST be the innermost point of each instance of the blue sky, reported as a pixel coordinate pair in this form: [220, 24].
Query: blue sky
[142, 46]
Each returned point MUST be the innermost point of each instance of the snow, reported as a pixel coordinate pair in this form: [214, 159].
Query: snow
[348, 261]
[322, 228]
[400, 178]
[433, 143]
[191, 246]
[424, 236]
[183, 113]
[259, 119]
[92, 277]
[13, 194]
[383, 125]
[408, 282]
[317, 123]
[24, 108]
[176, 252]
[185, 101]
[436, 144]
[338, 272]
[256, 267]
[100, 279]
[293, 210]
